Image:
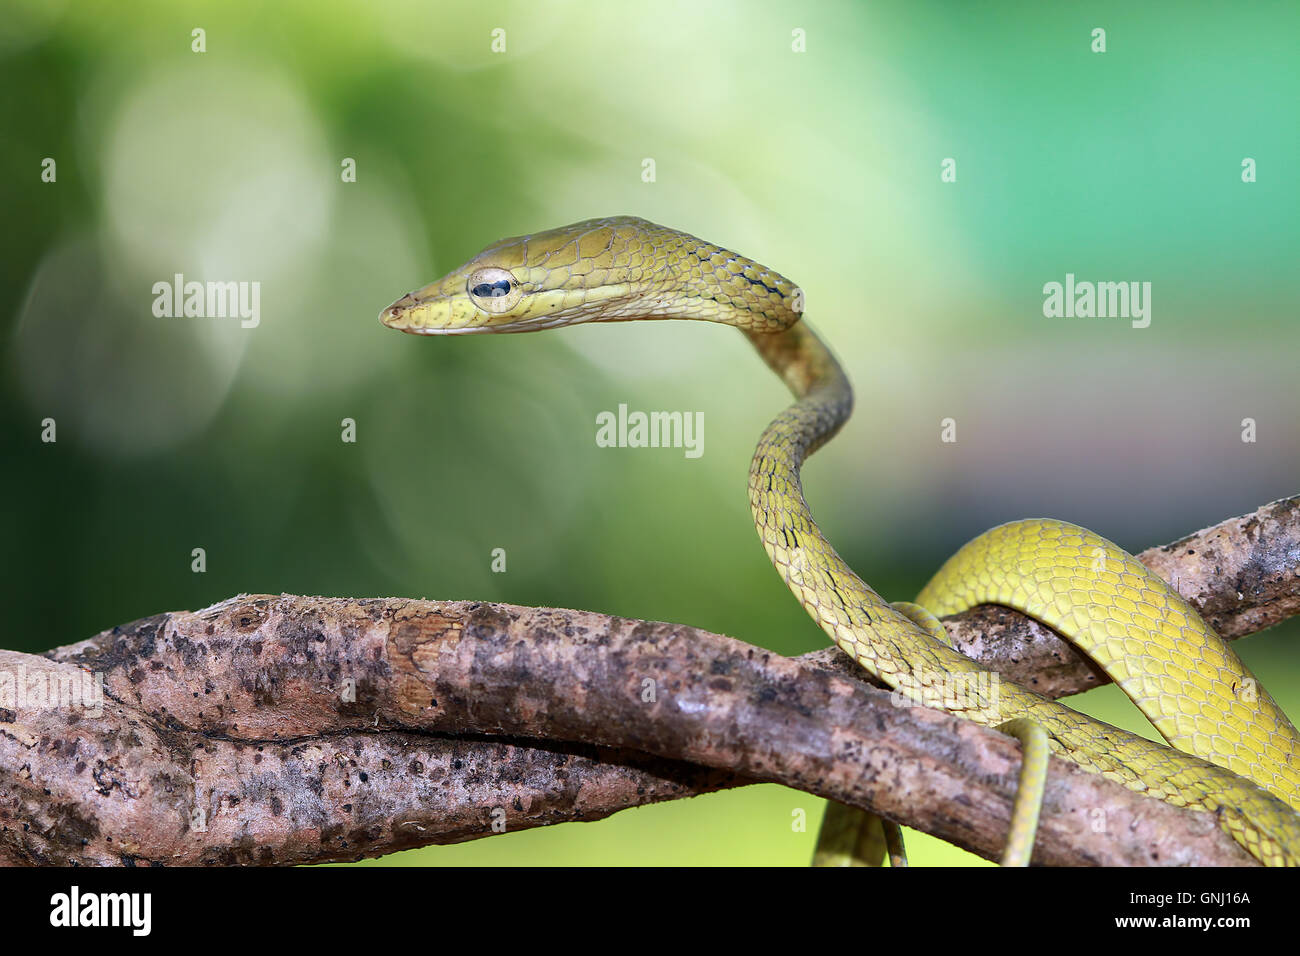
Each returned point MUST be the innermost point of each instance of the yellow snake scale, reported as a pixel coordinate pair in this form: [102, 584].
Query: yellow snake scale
[1193, 688]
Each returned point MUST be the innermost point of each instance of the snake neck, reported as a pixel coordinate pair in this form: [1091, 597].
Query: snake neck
[860, 622]
[813, 375]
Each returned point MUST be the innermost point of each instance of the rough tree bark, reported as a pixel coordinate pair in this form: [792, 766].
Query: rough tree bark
[276, 730]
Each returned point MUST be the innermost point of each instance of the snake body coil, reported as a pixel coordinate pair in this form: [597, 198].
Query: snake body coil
[1242, 755]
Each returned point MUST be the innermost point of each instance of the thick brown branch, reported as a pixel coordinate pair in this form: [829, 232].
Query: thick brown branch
[277, 730]
[122, 789]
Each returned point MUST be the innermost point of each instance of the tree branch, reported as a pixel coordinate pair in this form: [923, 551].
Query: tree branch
[275, 730]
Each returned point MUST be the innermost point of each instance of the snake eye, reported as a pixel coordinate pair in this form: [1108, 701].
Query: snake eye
[493, 290]
[486, 290]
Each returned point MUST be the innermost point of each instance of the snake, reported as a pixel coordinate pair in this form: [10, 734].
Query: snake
[1231, 751]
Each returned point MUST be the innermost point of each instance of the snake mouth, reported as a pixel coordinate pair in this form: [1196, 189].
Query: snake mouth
[523, 325]
[394, 318]
[404, 316]
[443, 331]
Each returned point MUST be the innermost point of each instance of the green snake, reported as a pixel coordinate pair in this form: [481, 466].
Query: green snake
[1237, 755]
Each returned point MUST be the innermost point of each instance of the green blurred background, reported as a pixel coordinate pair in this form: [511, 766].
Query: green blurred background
[824, 164]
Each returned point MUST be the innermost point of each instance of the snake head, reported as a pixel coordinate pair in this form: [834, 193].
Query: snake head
[600, 270]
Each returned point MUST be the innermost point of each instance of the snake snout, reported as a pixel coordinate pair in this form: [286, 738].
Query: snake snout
[394, 315]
